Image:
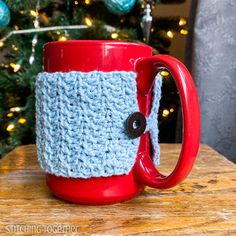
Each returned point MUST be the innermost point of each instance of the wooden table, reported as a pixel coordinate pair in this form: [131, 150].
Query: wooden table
[204, 204]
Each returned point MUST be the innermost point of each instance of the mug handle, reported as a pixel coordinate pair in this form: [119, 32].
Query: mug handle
[147, 68]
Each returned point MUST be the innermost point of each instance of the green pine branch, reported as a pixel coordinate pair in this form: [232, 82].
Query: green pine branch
[16, 5]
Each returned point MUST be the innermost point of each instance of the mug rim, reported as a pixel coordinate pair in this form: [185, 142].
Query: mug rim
[96, 43]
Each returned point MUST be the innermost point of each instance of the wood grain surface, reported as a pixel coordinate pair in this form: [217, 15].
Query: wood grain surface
[204, 204]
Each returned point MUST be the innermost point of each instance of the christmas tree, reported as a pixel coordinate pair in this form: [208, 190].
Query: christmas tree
[25, 26]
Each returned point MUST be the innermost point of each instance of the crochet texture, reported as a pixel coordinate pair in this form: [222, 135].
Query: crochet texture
[80, 123]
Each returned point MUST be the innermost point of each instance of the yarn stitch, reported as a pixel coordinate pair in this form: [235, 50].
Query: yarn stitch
[80, 123]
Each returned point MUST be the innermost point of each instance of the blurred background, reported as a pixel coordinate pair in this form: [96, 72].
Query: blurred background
[199, 33]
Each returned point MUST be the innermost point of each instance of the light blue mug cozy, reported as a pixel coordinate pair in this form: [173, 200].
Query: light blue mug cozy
[81, 123]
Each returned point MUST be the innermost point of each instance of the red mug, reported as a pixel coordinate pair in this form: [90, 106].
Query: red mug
[107, 56]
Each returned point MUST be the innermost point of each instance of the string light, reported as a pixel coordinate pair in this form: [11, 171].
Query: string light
[114, 35]
[34, 13]
[15, 67]
[21, 12]
[184, 31]
[165, 73]
[165, 113]
[14, 47]
[15, 109]
[62, 38]
[170, 34]
[44, 17]
[10, 127]
[16, 27]
[1, 44]
[76, 2]
[182, 22]
[22, 121]
[10, 114]
[87, 2]
[88, 21]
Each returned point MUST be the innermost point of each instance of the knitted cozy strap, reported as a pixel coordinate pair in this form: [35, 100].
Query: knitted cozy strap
[80, 123]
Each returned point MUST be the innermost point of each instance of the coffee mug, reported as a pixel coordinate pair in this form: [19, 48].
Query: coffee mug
[96, 120]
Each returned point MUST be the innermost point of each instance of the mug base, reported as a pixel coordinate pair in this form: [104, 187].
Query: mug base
[96, 190]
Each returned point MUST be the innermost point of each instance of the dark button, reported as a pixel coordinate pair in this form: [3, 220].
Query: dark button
[136, 124]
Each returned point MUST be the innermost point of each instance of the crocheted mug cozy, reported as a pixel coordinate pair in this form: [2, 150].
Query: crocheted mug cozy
[81, 123]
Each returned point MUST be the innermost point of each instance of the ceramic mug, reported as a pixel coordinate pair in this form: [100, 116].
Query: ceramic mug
[96, 120]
